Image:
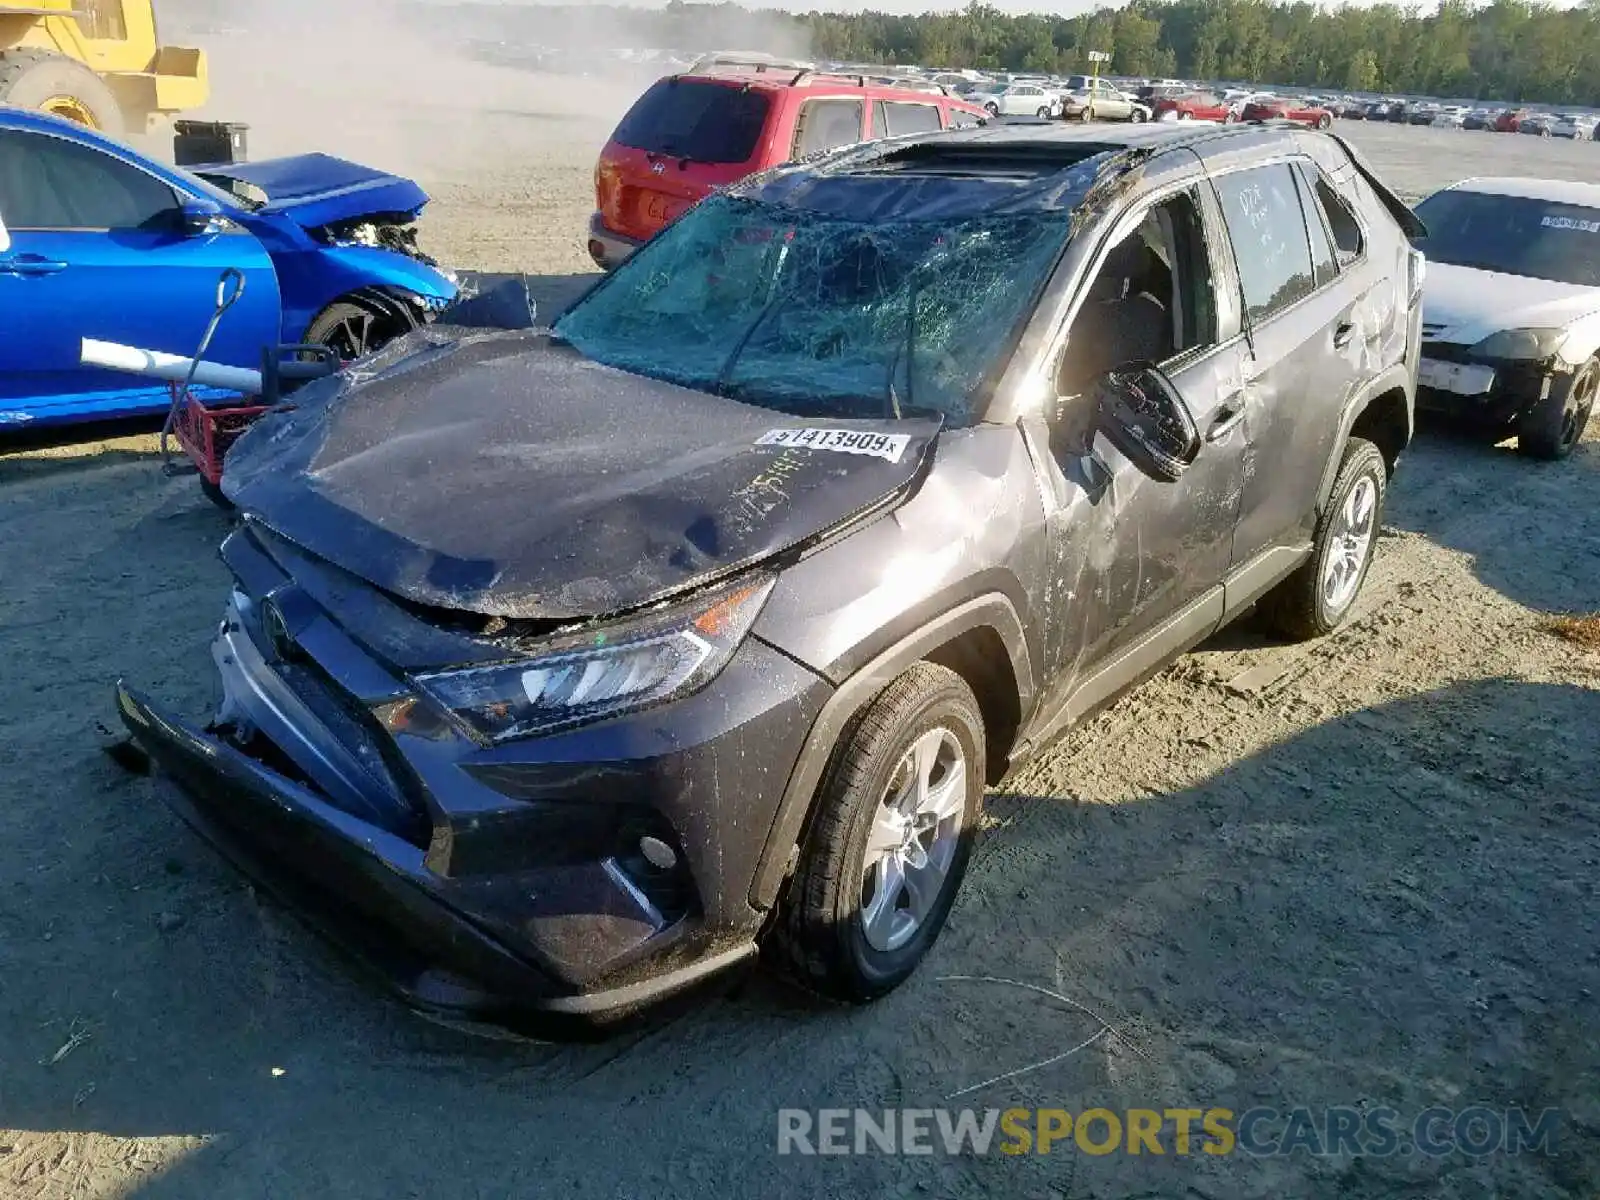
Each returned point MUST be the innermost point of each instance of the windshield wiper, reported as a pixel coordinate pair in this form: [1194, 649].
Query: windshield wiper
[719, 386]
[907, 351]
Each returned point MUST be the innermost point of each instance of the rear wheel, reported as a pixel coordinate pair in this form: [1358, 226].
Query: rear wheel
[1317, 598]
[992, 109]
[1137, 116]
[1187, 116]
[52, 83]
[1324, 122]
[1555, 425]
[890, 840]
[1043, 114]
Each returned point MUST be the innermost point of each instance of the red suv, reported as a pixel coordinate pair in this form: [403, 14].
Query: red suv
[1192, 106]
[692, 133]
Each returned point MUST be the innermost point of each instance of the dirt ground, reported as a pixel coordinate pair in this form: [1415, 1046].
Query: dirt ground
[1360, 872]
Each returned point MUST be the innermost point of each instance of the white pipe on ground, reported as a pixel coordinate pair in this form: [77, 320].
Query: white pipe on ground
[172, 367]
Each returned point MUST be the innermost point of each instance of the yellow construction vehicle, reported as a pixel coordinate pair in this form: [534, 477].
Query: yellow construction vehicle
[97, 62]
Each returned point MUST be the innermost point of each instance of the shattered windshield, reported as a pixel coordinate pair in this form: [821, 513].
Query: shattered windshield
[816, 312]
[1515, 235]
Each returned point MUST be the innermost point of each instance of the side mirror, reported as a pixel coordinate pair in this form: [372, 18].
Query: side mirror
[200, 216]
[1142, 415]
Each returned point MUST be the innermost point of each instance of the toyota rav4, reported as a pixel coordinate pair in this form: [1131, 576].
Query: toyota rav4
[571, 666]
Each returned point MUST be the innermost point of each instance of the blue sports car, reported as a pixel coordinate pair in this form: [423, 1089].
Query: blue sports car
[98, 241]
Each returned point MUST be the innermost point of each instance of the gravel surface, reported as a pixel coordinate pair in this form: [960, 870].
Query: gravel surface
[1360, 872]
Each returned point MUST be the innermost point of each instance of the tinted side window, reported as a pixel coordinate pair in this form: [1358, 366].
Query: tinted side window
[1323, 265]
[686, 118]
[826, 124]
[1341, 219]
[911, 118]
[1262, 210]
[48, 183]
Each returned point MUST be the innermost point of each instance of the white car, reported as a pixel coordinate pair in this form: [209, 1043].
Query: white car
[1511, 309]
[1450, 116]
[1579, 126]
[1020, 100]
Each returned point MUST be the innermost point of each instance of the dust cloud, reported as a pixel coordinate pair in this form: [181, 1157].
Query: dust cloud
[443, 91]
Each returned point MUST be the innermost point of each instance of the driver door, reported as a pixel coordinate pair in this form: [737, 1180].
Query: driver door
[1138, 565]
[97, 248]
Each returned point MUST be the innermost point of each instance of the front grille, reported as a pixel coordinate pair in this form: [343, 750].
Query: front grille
[348, 721]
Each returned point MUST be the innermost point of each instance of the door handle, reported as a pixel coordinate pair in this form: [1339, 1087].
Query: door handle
[30, 264]
[1344, 334]
[1226, 421]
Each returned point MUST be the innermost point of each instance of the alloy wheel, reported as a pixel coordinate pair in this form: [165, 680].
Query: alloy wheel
[1350, 545]
[913, 840]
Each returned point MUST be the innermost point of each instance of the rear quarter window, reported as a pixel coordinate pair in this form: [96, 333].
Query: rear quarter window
[698, 120]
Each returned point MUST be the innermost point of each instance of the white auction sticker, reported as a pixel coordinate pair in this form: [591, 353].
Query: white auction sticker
[888, 446]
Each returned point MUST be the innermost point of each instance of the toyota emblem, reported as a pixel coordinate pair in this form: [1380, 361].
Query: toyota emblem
[276, 629]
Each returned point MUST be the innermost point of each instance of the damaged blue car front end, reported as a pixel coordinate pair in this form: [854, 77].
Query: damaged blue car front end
[102, 242]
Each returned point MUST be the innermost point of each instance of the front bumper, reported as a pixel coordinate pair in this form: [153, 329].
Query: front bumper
[1478, 392]
[608, 248]
[503, 884]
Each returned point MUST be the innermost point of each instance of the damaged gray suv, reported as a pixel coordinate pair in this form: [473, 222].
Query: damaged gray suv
[566, 668]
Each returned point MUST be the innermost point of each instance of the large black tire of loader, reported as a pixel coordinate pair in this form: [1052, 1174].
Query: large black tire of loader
[31, 78]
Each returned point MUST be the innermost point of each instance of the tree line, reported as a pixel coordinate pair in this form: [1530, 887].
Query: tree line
[1508, 50]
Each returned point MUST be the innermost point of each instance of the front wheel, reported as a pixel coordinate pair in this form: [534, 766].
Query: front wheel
[1551, 429]
[1137, 116]
[353, 330]
[1324, 122]
[1183, 116]
[889, 842]
[992, 109]
[1043, 114]
[1319, 596]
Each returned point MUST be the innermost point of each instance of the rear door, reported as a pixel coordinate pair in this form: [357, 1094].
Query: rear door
[1303, 325]
[97, 249]
[681, 139]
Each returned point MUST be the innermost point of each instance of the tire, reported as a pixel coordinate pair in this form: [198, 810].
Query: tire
[1551, 429]
[1305, 605]
[48, 82]
[992, 109]
[353, 329]
[1043, 114]
[1186, 116]
[213, 493]
[1136, 117]
[822, 935]
[1324, 122]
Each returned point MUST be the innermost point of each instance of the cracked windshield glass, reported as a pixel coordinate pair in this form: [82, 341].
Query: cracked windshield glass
[811, 313]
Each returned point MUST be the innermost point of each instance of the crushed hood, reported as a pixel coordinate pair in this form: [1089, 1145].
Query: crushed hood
[505, 474]
[1464, 305]
[314, 190]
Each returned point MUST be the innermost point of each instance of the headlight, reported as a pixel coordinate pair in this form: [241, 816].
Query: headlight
[603, 671]
[1521, 343]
